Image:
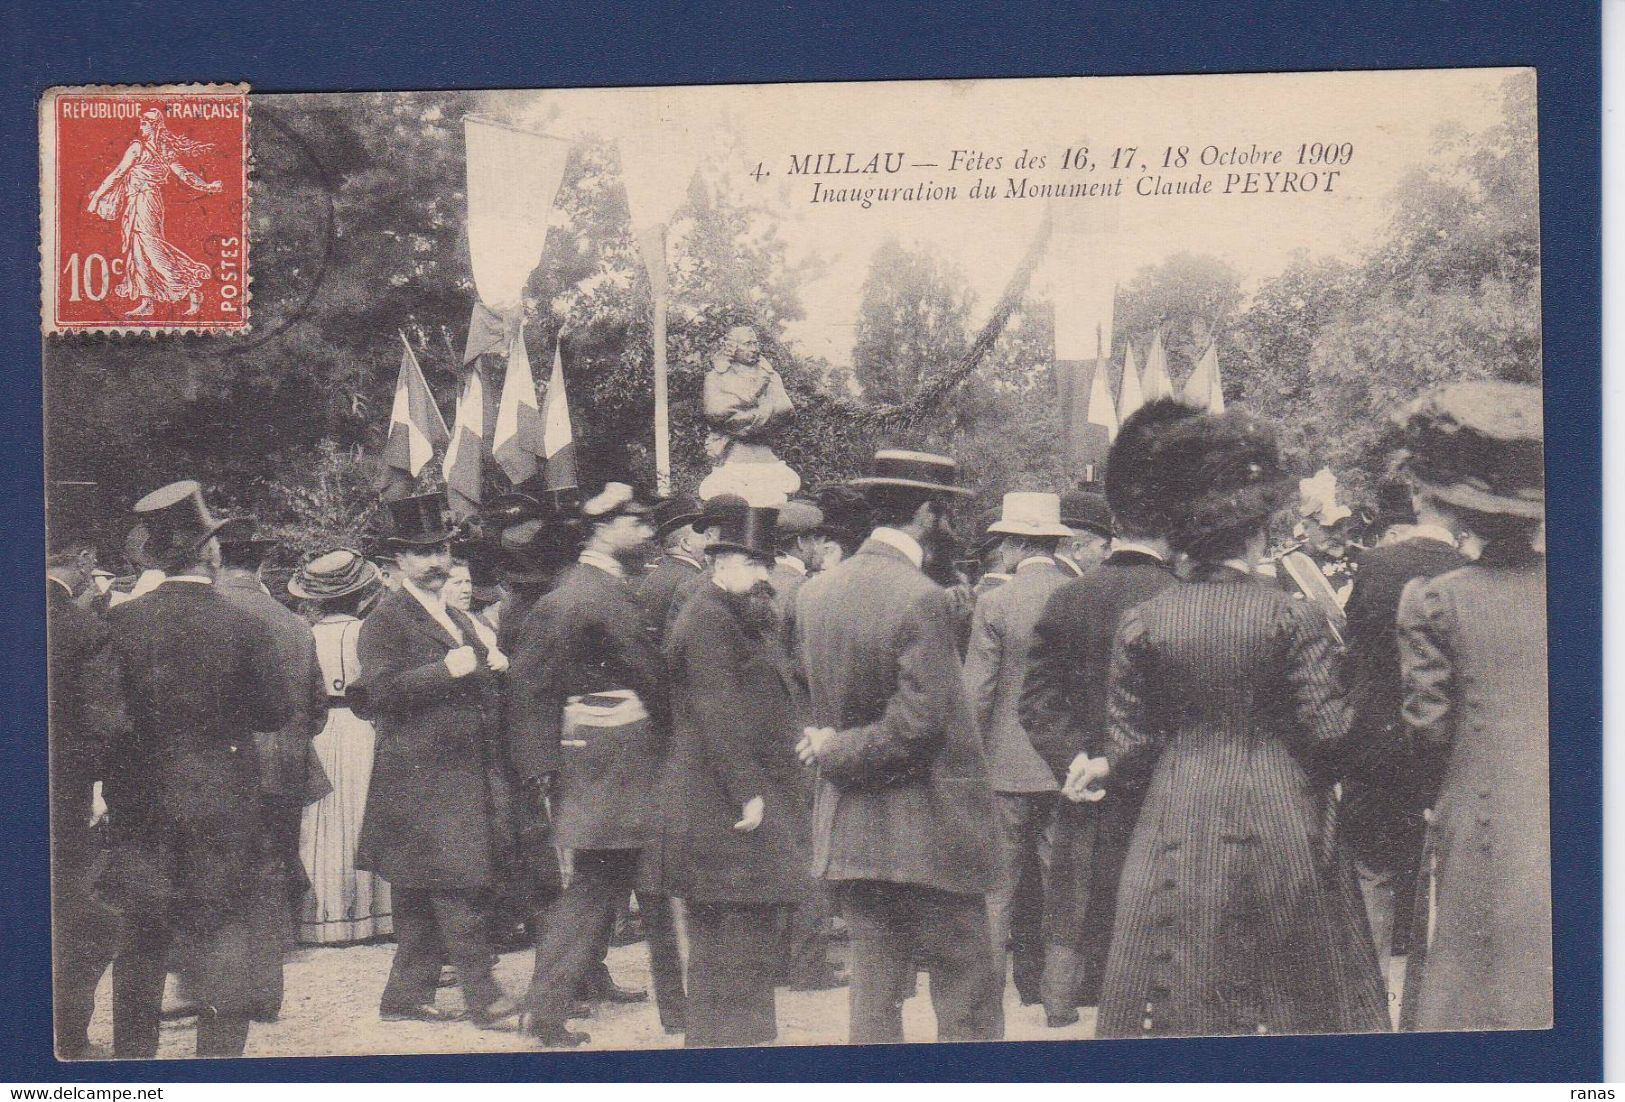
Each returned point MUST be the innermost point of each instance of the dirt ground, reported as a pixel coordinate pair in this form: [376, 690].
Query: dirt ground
[331, 1009]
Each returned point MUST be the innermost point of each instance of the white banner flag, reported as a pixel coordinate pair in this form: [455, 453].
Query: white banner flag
[660, 152]
[513, 178]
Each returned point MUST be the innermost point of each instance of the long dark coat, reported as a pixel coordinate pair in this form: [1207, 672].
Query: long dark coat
[1473, 644]
[657, 591]
[440, 813]
[198, 677]
[1234, 915]
[1063, 708]
[733, 738]
[903, 793]
[589, 635]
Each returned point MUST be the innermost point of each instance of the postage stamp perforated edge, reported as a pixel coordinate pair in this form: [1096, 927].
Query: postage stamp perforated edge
[49, 231]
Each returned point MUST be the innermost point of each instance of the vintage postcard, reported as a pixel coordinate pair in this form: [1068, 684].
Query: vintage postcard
[804, 564]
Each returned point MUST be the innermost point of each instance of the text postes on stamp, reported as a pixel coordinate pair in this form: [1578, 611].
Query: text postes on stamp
[144, 225]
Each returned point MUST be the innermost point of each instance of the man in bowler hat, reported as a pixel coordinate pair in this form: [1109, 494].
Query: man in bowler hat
[193, 866]
[903, 823]
[439, 822]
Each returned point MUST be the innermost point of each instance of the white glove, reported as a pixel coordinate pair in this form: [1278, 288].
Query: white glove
[496, 660]
[461, 662]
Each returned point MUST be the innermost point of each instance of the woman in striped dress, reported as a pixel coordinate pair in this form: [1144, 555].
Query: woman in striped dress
[343, 904]
[1236, 914]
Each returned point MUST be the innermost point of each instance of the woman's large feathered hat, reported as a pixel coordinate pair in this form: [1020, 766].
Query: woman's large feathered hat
[1478, 445]
[1218, 472]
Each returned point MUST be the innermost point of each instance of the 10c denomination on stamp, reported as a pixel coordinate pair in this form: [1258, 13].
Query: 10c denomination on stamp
[144, 209]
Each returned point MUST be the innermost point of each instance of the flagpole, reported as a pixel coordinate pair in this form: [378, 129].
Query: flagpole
[653, 244]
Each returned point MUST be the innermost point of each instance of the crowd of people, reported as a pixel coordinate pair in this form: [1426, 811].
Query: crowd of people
[1124, 759]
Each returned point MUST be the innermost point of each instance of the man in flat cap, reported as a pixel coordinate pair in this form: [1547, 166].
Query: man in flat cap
[194, 868]
[588, 707]
[903, 824]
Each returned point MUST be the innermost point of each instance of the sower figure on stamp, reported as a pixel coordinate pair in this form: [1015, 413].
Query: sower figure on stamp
[903, 823]
[84, 715]
[733, 839]
[1029, 529]
[194, 868]
[585, 725]
[439, 818]
[1063, 709]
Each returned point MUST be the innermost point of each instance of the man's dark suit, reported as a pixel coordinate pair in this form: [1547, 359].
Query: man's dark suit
[290, 774]
[903, 822]
[589, 635]
[1381, 810]
[83, 716]
[658, 589]
[193, 864]
[439, 819]
[1063, 708]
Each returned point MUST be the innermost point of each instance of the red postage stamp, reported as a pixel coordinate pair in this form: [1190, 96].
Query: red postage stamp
[144, 204]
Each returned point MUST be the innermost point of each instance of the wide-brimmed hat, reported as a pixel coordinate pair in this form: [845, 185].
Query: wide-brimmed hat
[177, 520]
[614, 500]
[1027, 513]
[1137, 493]
[419, 521]
[671, 513]
[742, 527]
[912, 470]
[847, 515]
[333, 574]
[1086, 510]
[1478, 445]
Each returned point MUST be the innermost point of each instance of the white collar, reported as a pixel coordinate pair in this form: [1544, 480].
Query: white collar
[195, 579]
[1034, 560]
[791, 563]
[1431, 532]
[1241, 565]
[901, 541]
[609, 564]
[146, 582]
[1138, 548]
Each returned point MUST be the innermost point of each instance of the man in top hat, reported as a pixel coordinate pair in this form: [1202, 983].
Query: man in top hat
[84, 715]
[291, 777]
[903, 824]
[585, 720]
[438, 824]
[1063, 710]
[733, 842]
[1024, 788]
[684, 539]
[1473, 647]
[193, 866]
[1086, 512]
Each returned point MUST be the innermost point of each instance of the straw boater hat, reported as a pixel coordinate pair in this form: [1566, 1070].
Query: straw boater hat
[177, 520]
[1478, 446]
[896, 467]
[1030, 514]
[742, 527]
[333, 574]
[614, 500]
